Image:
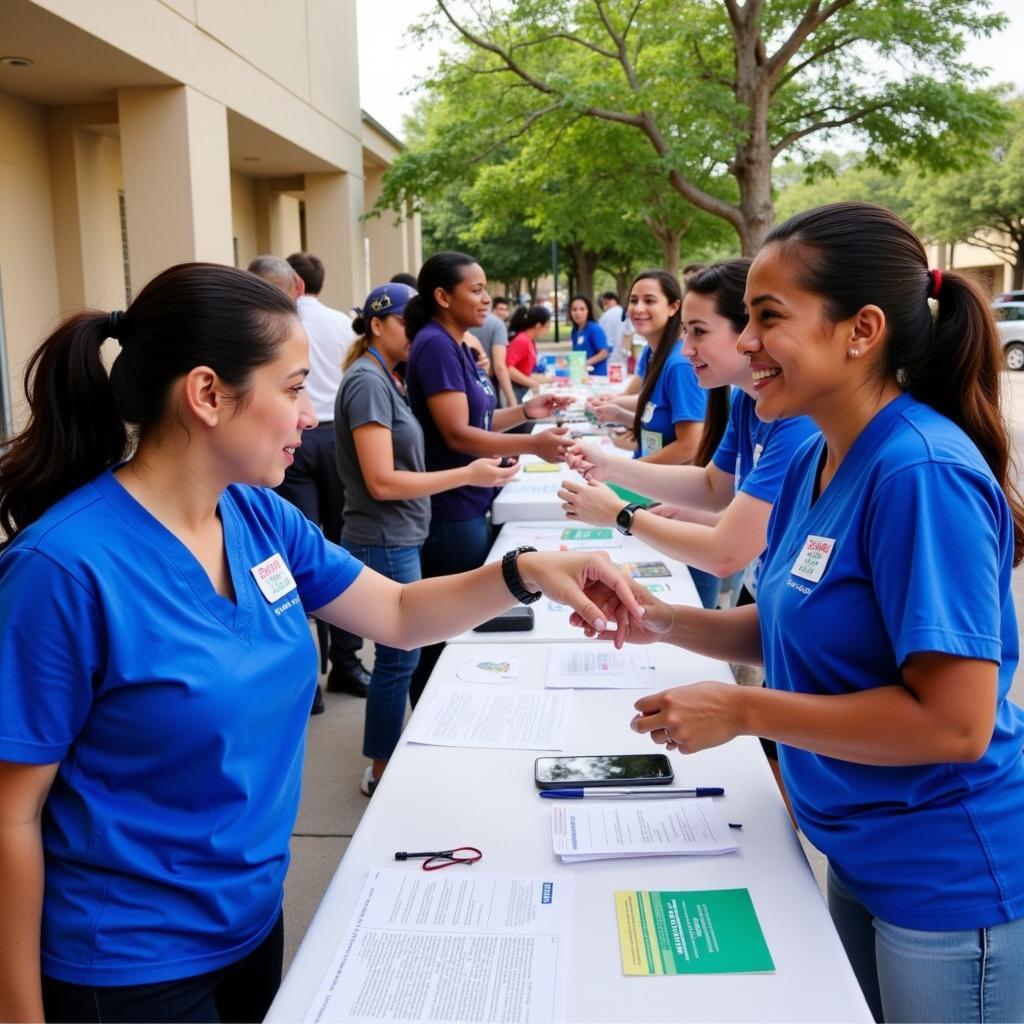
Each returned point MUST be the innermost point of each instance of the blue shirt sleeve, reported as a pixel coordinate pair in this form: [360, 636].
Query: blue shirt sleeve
[936, 536]
[728, 448]
[595, 338]
[51, 651]
[687, 400]
[765, 479]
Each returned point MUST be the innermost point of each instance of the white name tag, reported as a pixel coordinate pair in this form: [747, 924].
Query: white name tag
[650, 442]
[648, 412]
[810, 563]
[273, 578]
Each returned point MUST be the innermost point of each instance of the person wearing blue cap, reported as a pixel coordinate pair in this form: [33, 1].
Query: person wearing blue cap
[381, 458]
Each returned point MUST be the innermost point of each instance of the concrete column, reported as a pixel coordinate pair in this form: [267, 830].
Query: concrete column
[177, 178]
[414, 236]
[388, 239]
[334, 204]
[284, 224]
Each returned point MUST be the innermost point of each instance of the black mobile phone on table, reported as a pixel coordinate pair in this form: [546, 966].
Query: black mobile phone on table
[603, 770]
[518, 619]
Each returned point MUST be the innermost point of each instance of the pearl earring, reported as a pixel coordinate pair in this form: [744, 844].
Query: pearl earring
[854, 352]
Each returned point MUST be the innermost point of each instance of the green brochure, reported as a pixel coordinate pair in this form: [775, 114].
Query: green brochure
[585, 533]
[711, 931]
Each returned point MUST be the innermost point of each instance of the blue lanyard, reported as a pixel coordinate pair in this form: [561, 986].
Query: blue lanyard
[370, 350]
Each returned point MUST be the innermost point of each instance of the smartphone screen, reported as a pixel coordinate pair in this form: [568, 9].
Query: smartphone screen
[603, 770]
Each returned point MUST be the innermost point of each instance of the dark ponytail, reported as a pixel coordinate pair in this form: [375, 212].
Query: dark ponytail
[525, 317]
[669, 336]
[191, 315]
[443, 270]
[857, 254]
[725, 283]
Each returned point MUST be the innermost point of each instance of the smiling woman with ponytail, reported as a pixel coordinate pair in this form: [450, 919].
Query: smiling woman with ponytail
[884, 615]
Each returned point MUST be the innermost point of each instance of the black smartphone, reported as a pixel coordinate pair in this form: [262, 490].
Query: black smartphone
[508, 460]
[515, 620]
[603, 770]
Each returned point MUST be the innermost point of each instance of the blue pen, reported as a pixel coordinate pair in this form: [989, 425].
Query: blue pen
[643, 793]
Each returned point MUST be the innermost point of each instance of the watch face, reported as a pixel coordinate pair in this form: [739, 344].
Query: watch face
[624, 520]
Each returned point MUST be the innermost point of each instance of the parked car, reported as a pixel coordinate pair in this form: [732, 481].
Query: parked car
[1010, 297]
[1010, 324]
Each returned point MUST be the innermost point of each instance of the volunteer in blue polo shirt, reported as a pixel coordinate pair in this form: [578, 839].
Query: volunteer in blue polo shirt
[456, 406]
[884, 613]
[156, 668]
[588, 336]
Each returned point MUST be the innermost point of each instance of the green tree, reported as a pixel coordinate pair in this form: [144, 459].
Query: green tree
[718, 87]
[983, 204]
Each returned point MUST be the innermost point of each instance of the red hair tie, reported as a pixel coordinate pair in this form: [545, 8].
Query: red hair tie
[936, 279]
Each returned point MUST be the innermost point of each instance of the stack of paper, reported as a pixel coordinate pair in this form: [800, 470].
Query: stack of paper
[638, 828]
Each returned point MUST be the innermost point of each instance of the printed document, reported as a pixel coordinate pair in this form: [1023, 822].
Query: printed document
[604, 830]
[493, 716]
[456, 946]
[598, 666]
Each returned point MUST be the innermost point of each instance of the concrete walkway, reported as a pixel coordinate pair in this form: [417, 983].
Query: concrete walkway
[332, 804]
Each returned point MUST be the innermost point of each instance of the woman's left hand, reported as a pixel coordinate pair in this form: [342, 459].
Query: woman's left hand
[576, 578]
[691, 718]
[541, 406]
[592, 502]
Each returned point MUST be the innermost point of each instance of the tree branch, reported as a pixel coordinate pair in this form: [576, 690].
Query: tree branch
[572, 38]
[787, 140]
[811, 20]
[620, 45]
[832, 47]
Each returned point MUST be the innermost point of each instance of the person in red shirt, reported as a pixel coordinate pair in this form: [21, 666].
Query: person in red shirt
[526, 325]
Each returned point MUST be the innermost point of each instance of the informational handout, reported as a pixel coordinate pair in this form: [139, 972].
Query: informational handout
[599, 830]
[598, 667]
[490, 667]
[456, 946]
[544, 485]
[493, 716]
[708, 931]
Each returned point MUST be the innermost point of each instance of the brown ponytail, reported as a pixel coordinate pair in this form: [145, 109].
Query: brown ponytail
[857, 254]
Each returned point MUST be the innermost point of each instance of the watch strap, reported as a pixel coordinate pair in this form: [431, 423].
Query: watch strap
[514, 582]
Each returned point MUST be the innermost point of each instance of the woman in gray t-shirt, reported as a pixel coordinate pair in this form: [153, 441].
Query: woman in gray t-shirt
[380, 453]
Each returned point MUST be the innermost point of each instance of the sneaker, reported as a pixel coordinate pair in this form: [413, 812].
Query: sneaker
[367, 784]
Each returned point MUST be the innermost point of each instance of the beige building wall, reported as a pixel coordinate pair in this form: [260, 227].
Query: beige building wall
[28, 262]
[975, 261]
[148, 132]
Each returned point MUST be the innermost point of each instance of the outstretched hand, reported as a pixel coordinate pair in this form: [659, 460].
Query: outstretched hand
[653, 625]
[592, 502]
[691, 718]
[587, 582]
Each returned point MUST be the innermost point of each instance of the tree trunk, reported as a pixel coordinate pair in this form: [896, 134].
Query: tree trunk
[622, 282]
[1018, 269]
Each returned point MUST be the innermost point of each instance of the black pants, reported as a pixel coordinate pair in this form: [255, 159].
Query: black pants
[312, 483]
[240, 992]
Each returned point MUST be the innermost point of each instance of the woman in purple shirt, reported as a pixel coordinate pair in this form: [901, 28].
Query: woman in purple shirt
[456, 406]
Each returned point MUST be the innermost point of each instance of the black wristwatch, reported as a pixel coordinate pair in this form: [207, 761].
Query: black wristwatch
[624, 520]
[514, 582]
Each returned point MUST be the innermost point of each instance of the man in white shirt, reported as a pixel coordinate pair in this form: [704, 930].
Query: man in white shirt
[611, 323]
[312, 482]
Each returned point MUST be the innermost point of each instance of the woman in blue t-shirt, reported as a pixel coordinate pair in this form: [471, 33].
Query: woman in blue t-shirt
[157, 667]
[457, 408]
[588, 335]
[884, 616]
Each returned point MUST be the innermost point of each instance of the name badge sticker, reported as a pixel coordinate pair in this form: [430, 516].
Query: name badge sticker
[273, 578]
[810, 563]
[648, 412]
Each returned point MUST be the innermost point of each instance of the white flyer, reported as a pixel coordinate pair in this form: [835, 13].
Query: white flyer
[599, 830]
[493, 716]
[596, 666]
[455, 946]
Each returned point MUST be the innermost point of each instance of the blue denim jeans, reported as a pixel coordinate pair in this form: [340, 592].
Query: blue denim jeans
[909, 975]
[451, 547]
[707, 586]
[392, 668]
